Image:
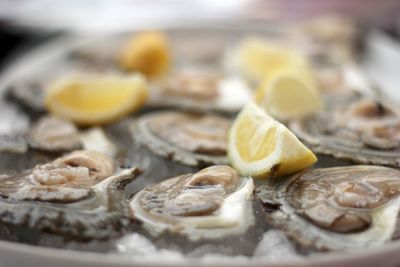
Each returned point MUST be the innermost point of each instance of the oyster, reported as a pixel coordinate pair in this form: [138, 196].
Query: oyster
[52, 134]
[210, 204]
[359, 129]
[329, 37]
[192, 139]
[335, 208]
[78, 195]
[200, 91]
[201, 49]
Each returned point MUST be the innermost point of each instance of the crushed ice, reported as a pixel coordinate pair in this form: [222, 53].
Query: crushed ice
[273, 247]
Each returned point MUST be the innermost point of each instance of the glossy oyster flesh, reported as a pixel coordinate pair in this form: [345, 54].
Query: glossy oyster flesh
[79, 195]
[200, 91]
[192, 139]
[52, 134]
[354, 127]
[47, 139]
[335, 208]
[210, 204]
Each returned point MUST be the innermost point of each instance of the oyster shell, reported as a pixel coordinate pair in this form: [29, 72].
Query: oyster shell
[192, 139]
[200, 91]
[354, 127]
[210, 204]
[78, 196]
[330, 37]
[335, 208]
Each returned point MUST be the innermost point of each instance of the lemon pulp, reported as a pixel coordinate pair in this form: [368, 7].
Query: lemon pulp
[96, 100]
[262, 147]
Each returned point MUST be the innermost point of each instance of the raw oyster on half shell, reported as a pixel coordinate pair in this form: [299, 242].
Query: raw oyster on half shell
[210, 204]
[52, 134]
[200, 91]
[335, 208]
[354, 127]
[192, 139]
[79, 195]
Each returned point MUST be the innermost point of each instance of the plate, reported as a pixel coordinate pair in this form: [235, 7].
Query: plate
[52, 53]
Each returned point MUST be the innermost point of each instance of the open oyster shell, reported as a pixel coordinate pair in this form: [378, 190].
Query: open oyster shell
[210, 204]
[329, 38]
[79, 196]
[200, 91]
[191, 139]
[52, 134]
[335, 208]
[354, 127]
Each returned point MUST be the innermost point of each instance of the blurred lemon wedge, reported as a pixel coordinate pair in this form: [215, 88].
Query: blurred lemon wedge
[255, 58]
[261, 147]
[96, 100]
[289, 93]
[146, 52]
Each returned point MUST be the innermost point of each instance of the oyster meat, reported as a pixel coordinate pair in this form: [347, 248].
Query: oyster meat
[79, 195]
[210, 204]
[192, 139]
[200, 91]
[356, 128]
[52, 134]
[335, 208]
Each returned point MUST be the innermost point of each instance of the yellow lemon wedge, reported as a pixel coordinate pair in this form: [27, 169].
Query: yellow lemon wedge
[255, 58]
[289, 94]
[146, 52]
[261, 147]
[96, 100]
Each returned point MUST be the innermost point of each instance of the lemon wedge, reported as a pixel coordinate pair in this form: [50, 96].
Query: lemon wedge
[255, 58]
[146, 52]
[96, 100]
[261, 147]
[289, 94]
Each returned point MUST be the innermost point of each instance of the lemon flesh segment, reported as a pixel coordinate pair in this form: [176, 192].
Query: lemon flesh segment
[261, 147]
[257, 58]
[287, 96]
[146, 52]
[260, 142]
[96, 100]
[295, 155]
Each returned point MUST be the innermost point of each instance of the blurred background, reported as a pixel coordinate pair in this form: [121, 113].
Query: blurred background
[26, 23]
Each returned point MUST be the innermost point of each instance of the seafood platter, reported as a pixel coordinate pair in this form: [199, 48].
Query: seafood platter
[193, 145]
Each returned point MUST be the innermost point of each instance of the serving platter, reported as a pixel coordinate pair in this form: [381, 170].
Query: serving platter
[50, 55]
